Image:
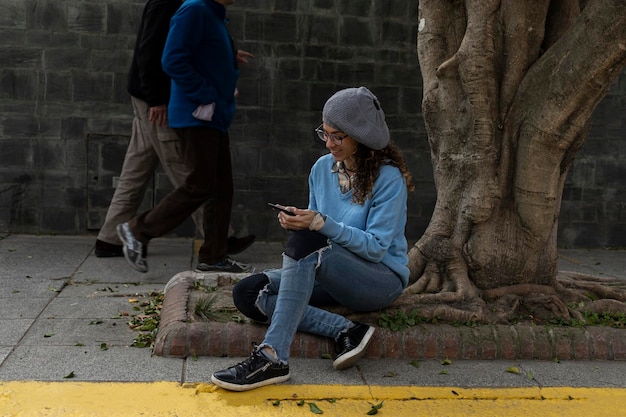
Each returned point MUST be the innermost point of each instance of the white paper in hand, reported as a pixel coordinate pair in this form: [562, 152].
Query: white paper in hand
[204, 112]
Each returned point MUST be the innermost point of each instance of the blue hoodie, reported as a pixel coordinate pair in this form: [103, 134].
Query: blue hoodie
[200, 58]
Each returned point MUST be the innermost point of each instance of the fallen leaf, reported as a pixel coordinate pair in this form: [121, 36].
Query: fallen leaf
[315, 409]
[513, 370]
[375, 408]
[415, 363]
[70, 375]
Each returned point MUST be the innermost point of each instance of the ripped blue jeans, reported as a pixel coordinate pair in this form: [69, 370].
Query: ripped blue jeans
[353, 282]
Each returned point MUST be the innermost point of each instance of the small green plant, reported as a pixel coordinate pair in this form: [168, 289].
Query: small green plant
[617, 320]
[205, 308]
[199, 286]
[399, 320]
[605, 319]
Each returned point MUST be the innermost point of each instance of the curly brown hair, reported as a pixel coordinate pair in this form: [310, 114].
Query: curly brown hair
[368, 163]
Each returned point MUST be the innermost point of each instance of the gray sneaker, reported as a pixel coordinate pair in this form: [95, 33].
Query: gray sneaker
[227, 265]
[133, 249]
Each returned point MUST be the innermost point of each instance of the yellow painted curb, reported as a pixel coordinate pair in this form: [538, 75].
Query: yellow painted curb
[95, 399]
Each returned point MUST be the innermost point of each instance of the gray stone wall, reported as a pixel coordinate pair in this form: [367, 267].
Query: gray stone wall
[65, 115]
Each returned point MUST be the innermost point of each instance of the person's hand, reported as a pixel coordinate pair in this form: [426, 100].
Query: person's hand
[300, 221]
[204, 112]
[158, 115]
[242, 56]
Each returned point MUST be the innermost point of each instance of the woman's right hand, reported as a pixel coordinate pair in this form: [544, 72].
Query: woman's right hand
[301, 220]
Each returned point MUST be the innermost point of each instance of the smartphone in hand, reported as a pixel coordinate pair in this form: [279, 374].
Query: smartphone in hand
[281, 208]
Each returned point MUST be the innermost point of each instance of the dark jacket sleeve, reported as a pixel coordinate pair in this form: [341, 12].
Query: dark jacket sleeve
[153, 82]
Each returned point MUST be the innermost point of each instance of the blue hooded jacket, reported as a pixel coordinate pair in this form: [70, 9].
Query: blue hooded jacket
[200, 58]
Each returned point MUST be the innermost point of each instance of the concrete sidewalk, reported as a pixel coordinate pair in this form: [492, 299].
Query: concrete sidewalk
[64, 315]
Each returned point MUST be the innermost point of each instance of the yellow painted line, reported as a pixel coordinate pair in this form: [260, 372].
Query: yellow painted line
[95, 399]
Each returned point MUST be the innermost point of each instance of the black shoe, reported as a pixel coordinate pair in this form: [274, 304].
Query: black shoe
[133, 249]
[254, 372]
[227, 265]
[351, 345]
[108, 250]
[237, 245]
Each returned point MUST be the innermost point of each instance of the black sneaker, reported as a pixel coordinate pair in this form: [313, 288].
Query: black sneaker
[133, 249]
[227, 265]
[235, 245]
[107, 250]
[351, 345]
[256, 371]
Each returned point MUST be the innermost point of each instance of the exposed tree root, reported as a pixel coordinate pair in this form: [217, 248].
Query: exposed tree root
[573, 296]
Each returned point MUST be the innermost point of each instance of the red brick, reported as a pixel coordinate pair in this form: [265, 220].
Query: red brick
[255, 333]
[617, 339]
[562, 344]
[580, 344]
[197, 339]
[599, 343]
[507, 340]
[412, 344]
[176, 344]
[489, 350]
[431, 346]
[236, 342]
[376, 347]
[526, 342]
[470, 352]
[314, 346]
[393, 345]
[543, 344]
[216, 340]
[449, 337]
[175, 304]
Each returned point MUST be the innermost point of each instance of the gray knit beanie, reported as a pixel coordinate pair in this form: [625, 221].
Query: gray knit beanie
[357, 112]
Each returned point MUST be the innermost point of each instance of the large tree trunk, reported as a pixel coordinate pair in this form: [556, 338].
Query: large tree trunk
[509, 90]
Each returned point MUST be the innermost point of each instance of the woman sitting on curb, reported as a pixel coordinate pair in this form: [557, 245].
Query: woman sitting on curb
[347, 248]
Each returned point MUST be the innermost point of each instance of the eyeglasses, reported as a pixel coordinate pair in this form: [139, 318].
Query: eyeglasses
[324, 135]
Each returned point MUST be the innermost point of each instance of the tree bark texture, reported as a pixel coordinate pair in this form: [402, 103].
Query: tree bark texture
[509, 90]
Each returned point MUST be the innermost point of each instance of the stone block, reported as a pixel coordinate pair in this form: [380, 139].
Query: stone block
[86, 17]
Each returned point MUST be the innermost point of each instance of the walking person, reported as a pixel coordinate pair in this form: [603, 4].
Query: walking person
[151, 139]
[202, 63]
[348, 247]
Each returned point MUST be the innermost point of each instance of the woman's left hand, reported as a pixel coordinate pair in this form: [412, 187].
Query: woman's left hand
[301, 220]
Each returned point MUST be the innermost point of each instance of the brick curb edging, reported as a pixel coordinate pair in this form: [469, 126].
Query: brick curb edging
[180, 337]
